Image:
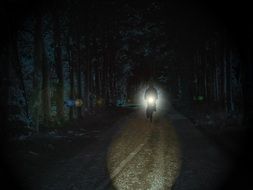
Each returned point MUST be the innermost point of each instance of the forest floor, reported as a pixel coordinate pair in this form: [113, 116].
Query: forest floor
[225, 129]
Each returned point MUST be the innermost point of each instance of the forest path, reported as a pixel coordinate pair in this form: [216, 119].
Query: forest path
[137, 154]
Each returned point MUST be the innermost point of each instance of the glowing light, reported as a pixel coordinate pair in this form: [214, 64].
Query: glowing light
[163, 102]
[78, 102]
[151, 100]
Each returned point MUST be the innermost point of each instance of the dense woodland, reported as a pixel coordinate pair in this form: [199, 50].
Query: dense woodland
[101, 51]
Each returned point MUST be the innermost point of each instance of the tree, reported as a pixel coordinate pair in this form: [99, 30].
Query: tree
[58, 66]
[45, 86]
[38, 61]
[71, 75]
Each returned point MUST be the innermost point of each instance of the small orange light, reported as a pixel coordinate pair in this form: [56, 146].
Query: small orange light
[78, 102]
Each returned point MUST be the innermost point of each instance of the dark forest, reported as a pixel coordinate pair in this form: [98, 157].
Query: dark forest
[73, 76]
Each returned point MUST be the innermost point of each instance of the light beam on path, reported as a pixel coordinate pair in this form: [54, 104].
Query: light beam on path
[144, 155]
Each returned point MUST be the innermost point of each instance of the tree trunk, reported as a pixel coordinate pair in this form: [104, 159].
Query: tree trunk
[38, 59]
[58, 68]
[225, 80]
[18, 68]
[86, 79]
[79, 78]
[231, 81]
[5, 57]
[45, 87]
[71, 78]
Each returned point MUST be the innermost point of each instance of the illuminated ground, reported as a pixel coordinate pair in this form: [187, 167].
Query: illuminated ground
[134, 154]
[144, 155]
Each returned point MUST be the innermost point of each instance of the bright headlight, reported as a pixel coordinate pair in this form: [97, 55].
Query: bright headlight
[151, 100]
